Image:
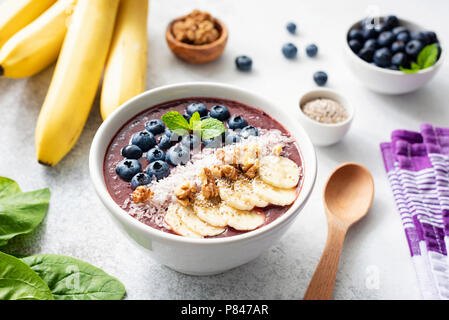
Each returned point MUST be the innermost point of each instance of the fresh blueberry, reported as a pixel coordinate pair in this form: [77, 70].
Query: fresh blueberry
[382, 57]
[381, 27]
[196, 107]
[173, 136]
[392, 21]
[413, 48]
[144, 140]
[398, 30]
[371, 44]
[244, 63]
[403, 36]
[155, 154]
[128, 168]
[399, 59]
[355, 34]
[131, 152]
[237, 122]
[164, 142]
[219, 112]
[178, 155]
[385, 39]
[355, 45]
[421, 36]
[397, 46]
[439, 50]
[320, 78]
[155, 126]
[232, 138]
[249, 131]
[311, 50]
[369, 33]
[159, 169]
[289, 50]
[140, 179]
[291, 27]
[366, 54]
[191, 141]
[432, 36]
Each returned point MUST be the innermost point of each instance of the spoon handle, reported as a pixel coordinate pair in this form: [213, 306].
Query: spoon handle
[322, 284]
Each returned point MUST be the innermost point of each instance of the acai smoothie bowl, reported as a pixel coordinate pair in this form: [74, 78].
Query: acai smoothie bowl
[204, 176]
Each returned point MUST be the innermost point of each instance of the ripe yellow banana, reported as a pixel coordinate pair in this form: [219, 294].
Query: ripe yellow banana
[16, 14]
[37, 45]
[125, 72]
[75, 80]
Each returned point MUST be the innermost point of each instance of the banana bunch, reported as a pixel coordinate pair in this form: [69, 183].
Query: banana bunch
[238, 201]
[87, 37]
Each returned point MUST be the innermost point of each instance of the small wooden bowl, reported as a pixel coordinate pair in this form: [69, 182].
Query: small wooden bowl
[197, 54]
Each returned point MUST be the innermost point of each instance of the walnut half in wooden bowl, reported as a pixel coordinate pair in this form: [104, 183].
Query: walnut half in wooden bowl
[197, 37]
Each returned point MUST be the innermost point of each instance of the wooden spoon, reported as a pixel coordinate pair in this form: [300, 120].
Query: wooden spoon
[348, 196]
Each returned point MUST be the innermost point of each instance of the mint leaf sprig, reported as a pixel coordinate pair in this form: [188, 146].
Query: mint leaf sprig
[426, 58]
[208, 128]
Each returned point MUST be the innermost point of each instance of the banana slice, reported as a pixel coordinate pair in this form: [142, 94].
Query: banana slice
[277, 196]
[233, 193]
[194, 223]
[173, 219]
[209, 211]
[279, 172]
[243, 220]
[245, 188]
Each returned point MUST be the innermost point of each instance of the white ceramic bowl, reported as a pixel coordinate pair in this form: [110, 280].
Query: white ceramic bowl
[323, 134]
[390, 81]
[199, 256]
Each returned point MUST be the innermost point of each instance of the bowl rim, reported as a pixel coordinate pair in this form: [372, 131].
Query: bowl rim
[97, 177]
[388, 71]
[327, 93]
[221, 39]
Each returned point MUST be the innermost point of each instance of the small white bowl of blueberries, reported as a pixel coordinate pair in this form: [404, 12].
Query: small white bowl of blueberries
[391, 55]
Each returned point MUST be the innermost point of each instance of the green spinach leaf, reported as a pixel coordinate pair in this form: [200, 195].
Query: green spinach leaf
[72, 279]
[19, 282]
[20, 212]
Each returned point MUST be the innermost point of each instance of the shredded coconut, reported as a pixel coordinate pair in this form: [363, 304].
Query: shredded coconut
[154, 209]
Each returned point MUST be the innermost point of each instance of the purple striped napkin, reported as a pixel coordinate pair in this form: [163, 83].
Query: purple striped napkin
[417, 165]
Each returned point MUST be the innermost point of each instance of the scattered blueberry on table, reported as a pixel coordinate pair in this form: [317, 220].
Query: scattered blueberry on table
[389, 45]
[289, 50]
[320, 78]
[291, 27]
[311, 50]
[244, 63]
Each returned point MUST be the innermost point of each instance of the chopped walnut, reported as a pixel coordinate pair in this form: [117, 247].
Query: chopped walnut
[250, 168]
[184, 193]
[277, 150]
[141, 194]
[229, 172]
[196, 28]
[216, 171]
[209, 189]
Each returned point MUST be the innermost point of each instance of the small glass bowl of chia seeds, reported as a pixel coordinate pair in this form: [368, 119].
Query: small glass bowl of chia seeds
[326, 115]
